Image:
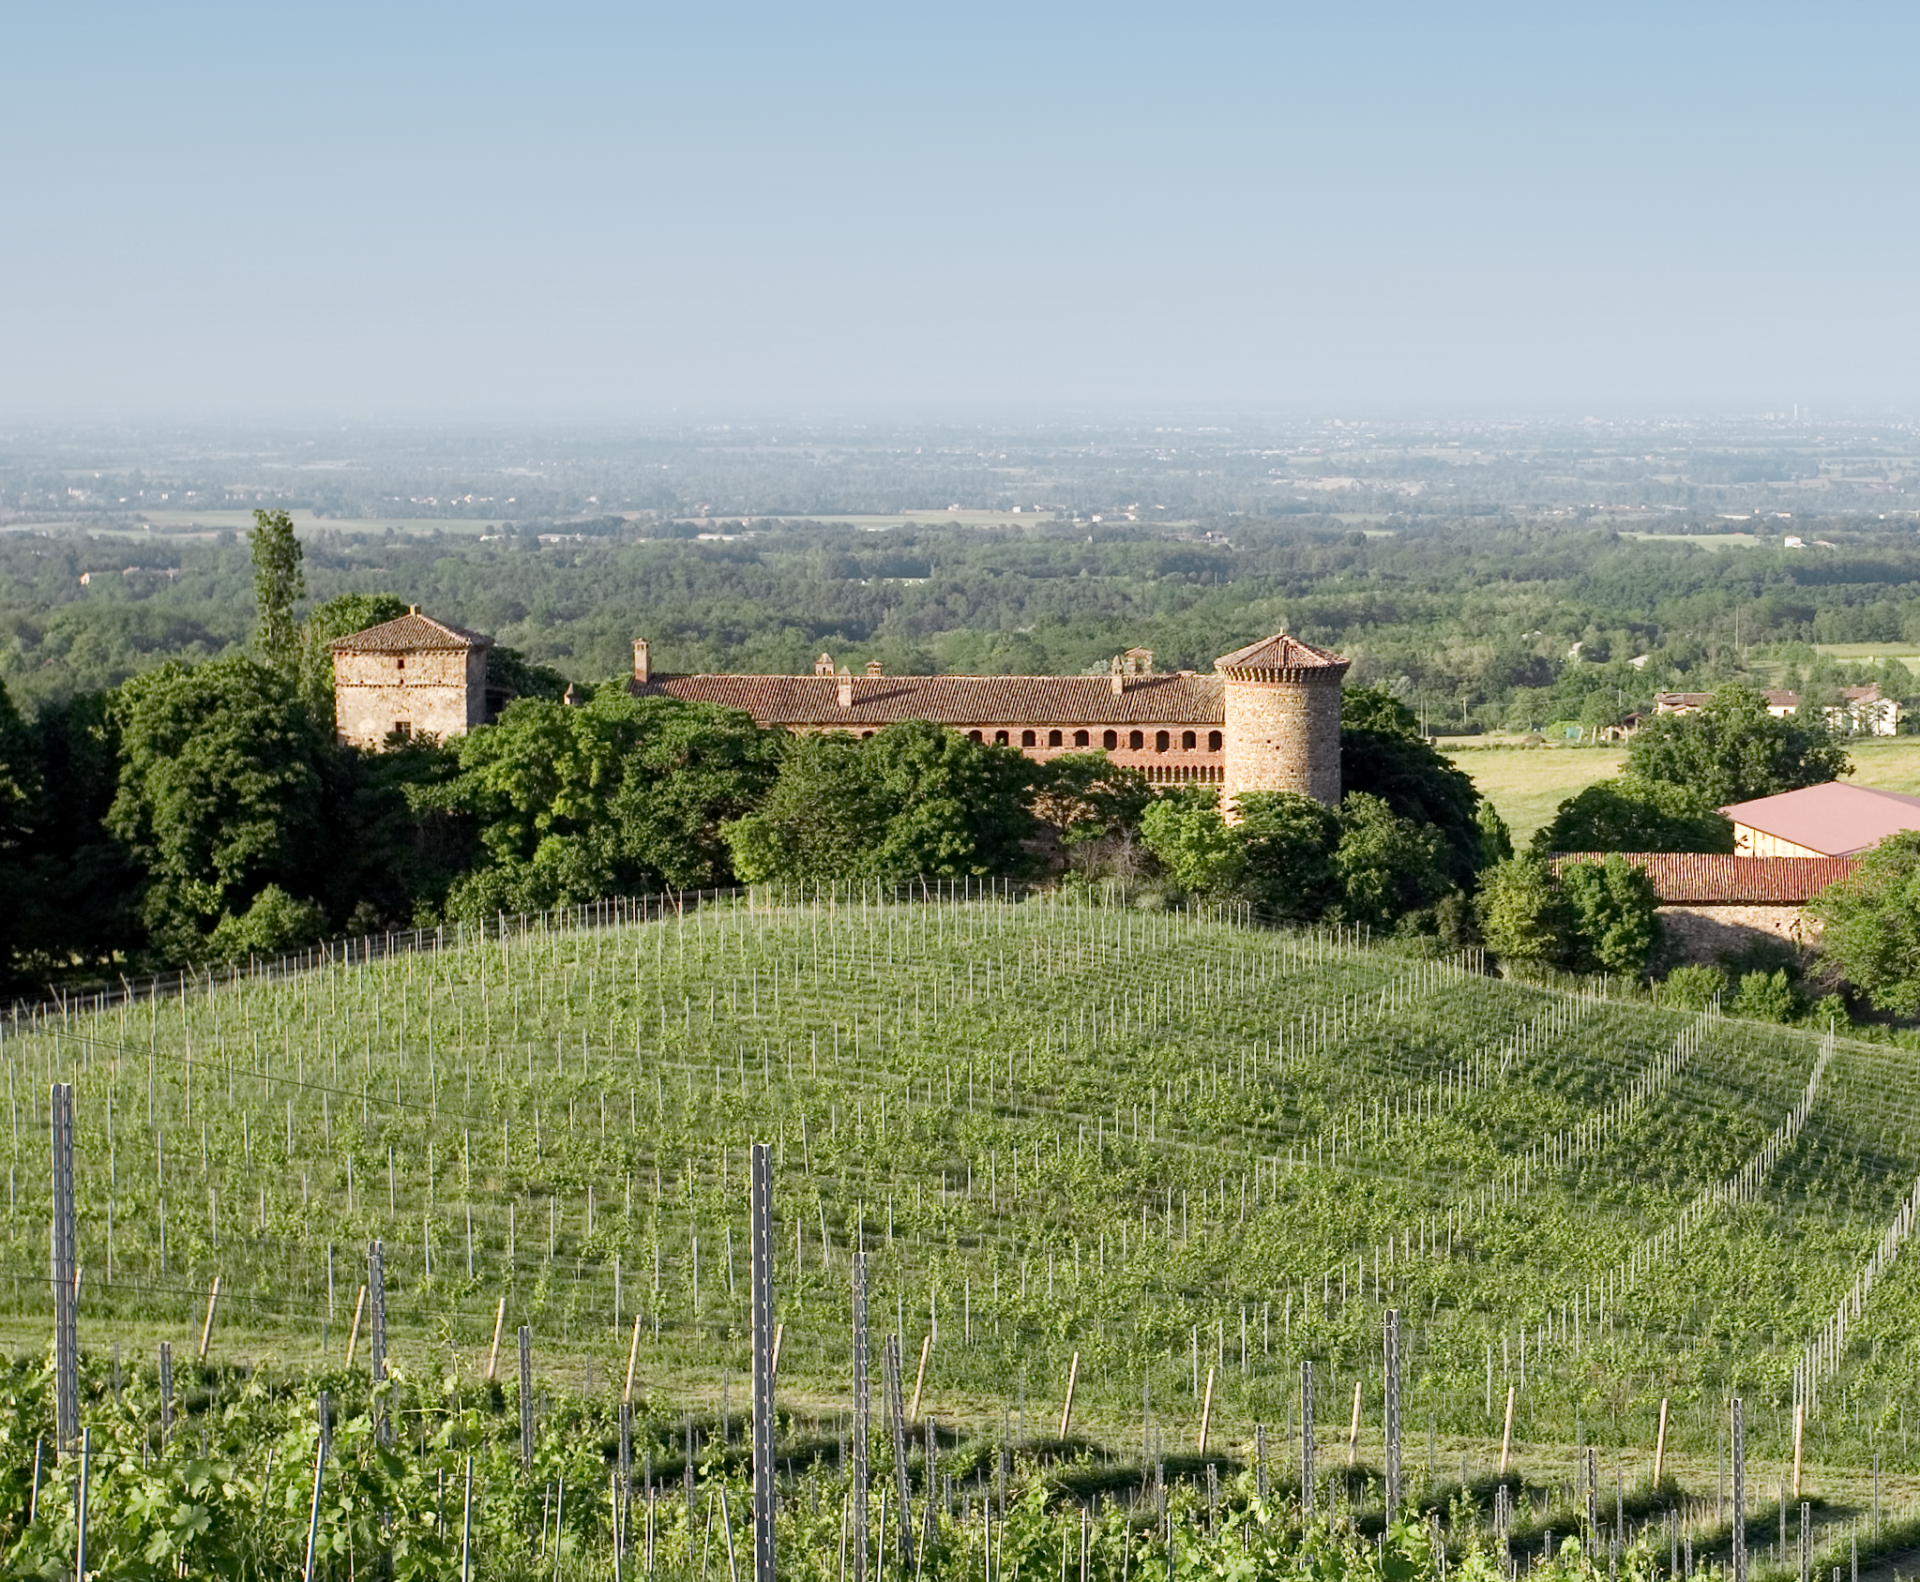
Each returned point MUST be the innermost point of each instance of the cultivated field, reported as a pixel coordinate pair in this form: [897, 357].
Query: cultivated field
[1190, 1153]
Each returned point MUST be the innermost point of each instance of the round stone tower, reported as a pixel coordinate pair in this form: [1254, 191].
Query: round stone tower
[1282, 720]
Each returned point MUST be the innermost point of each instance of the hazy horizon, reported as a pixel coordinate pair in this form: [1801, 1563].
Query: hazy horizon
[483, 217]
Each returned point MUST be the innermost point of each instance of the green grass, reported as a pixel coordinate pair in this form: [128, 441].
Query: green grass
[1526, 784]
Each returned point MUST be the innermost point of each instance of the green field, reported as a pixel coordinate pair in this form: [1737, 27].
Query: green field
[1527, 784]
[1188, 1152]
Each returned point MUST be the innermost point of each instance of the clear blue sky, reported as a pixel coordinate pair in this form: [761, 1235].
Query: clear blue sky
[619, 211]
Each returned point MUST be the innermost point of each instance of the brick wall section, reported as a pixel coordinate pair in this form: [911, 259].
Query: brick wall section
[1284, 736]
[434, 692]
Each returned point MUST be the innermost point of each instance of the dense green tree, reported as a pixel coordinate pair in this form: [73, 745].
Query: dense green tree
[273, 922]
[1733, 750]
[1289, 843]
[620, 796]
[338, 617]
[1523, 915]
[1383, 754]
[1088, 797]
[914, 800]
[1870, 924]
[1192, 841]
[278, 585]
[1630, 814]
[79, 911]
[1387, 867]
[1496, 840]
[1611, 913]
[217, 796]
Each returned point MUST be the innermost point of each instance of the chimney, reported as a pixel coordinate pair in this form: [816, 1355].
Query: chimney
[873, 667]
[413, 609]
[845, 688]
[1118, 679]
[823, 664]
[642, 662]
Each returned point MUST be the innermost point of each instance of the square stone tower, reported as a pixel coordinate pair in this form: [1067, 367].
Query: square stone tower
[414, 676]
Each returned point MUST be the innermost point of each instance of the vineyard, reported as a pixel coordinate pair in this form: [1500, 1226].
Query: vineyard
[1170, 1155]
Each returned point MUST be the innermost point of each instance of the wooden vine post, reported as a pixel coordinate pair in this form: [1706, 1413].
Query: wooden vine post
[761, 1254]
[1306, 1437]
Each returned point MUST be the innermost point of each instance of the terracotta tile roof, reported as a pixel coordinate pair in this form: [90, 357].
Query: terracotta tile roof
[411, 633]
[957, 700]
[1281, 652]
[1715, 879]
[1835, 818]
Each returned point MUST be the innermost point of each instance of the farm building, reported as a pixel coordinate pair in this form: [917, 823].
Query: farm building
[1267, 719]
[1861, 711]
[1714, 903]
[410, 677]
[1831, 820]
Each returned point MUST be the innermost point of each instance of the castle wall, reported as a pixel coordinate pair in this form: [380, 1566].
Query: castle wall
[1160, 752]
[431, 692]
[1283, 736]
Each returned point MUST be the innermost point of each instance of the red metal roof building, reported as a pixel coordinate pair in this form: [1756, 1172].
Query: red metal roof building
[1831, 820]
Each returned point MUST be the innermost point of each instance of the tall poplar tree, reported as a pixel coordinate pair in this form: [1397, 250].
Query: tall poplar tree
[278, 585]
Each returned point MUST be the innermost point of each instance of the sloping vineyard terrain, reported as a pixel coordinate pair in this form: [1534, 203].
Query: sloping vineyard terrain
[1176, 1155]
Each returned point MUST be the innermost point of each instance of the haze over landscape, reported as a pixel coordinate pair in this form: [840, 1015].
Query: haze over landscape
[939, 793]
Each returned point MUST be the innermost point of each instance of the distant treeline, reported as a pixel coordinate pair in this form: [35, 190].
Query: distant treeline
[1493, 622]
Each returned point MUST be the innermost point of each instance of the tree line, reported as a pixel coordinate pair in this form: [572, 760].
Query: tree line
[202, 812]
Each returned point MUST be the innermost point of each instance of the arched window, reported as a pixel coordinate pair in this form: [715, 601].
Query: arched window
[1187, 740]
[973, 736]
[1213, 741]
[1027, 738]
[865, 734]
[999, 738]
[1054, 738]
[1080, 738]
[1136, 740]
[1160, 741]
[1109, 741]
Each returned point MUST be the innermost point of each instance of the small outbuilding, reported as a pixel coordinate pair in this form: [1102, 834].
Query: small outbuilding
[1831, 820]
[410, 677]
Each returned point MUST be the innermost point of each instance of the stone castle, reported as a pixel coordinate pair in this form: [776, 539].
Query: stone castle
[1267, 719]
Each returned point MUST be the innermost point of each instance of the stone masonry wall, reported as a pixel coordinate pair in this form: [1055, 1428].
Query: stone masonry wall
[437, 693]
[1705, 933]
[1283, 736]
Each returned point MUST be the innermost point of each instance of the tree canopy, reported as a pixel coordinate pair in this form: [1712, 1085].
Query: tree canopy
[218, 794]
[620, 796]
[1733, 750]
[278, 585]
[1383, 755]
[1871, 924]
[913, 800]
[1631, 814]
